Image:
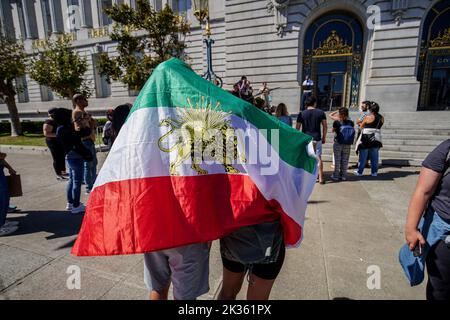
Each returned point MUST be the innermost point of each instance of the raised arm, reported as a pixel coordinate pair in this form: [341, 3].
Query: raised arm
[334, 115]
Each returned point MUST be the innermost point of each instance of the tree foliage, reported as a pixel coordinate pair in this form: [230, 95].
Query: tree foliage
[158, 39]
[61, 69]
[12, 66]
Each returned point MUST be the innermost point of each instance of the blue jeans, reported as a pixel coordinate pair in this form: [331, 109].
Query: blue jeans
[90, 167]
[73, 188]
[373, 155]
[305, 96]
[4, 197]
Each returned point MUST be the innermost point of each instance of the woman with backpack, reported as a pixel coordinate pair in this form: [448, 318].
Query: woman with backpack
[432, 242]
[369, 142]
[344, 130]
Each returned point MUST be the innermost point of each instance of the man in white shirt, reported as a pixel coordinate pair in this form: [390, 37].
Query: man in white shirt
[307, 87]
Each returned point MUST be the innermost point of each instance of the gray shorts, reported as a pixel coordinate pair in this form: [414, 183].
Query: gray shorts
[187, 267]
[318, 148]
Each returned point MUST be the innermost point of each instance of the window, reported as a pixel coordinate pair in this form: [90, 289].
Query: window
[105, 4]
[102, 87]
[47, 17]
[46, 94]
[181, 6]
[434, 60]
[22, 89]
[157, 4]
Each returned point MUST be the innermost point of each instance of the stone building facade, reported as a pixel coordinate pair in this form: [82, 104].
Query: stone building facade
[396, 52]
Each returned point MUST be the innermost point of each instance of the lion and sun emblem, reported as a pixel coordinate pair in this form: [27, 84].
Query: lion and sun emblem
[207, 124]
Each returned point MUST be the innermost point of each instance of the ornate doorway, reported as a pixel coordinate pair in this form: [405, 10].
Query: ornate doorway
[434, 62]
[333, 59]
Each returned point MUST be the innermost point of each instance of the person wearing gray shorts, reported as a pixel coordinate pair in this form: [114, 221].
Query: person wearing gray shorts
[186, 267]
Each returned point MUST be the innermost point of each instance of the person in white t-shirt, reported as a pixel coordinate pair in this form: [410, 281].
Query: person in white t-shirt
[307, 88]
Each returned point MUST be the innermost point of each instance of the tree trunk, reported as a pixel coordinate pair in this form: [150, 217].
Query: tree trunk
[16, 127]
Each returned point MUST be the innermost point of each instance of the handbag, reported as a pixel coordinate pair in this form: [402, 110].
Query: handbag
[257, 244]
[371, 137]
[14, 186]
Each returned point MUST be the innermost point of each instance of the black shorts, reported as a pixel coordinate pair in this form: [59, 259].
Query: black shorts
[267, 271]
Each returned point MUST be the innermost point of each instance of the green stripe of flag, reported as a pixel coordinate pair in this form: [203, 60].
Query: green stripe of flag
[173, 82]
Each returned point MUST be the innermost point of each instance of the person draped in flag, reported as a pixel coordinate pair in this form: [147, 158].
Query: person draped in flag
[193, 164]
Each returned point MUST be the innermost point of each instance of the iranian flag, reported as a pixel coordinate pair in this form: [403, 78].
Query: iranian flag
[192, 164]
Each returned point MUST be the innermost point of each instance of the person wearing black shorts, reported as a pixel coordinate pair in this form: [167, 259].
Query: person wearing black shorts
[261, 277]
[55, 146]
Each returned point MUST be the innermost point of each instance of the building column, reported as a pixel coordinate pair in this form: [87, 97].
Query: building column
[65, 16]
[40, 19]
[51, 4]
[16, 20]
[2, 20]
[95, 7]
[26, 19]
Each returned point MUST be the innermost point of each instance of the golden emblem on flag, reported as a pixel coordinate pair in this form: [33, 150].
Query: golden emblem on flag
[202, 134]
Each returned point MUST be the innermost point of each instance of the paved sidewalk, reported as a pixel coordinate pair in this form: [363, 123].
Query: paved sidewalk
[349, 227]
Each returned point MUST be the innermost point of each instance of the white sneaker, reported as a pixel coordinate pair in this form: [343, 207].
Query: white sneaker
[78, 210]
[374, 174]
[10, 224]
[5, 231]
[357, 173]
[69, 206]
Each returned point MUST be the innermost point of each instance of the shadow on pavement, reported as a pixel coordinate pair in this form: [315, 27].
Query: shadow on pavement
[318, 201]
[59, 223]
[386, 176]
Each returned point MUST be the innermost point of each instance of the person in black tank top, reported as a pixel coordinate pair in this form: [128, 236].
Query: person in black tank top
[370, 148]
[54, 145]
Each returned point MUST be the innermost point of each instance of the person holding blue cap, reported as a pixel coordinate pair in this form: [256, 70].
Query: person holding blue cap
[428, 237]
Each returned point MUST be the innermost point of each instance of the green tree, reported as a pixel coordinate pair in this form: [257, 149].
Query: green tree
[158, 39]
[12, 66]
[61, 69]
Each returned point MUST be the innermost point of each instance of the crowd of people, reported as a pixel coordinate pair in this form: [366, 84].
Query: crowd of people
[365, 135]
[70, 136]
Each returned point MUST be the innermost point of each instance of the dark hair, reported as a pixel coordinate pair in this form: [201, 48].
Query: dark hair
[282, 110]
[243, 78]
[367, 102]
[259, 103]
[310, 101]
[120, 116]
[52, 111]
[343, 112]
[374, 108]
[63, 116]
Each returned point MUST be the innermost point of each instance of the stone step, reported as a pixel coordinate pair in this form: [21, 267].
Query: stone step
[399, 148]
[407, 137]
[412, 142]
[435, 132]
[436, 122]
[385, 161]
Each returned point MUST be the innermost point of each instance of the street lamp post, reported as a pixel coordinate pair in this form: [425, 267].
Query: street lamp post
[201, 12]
